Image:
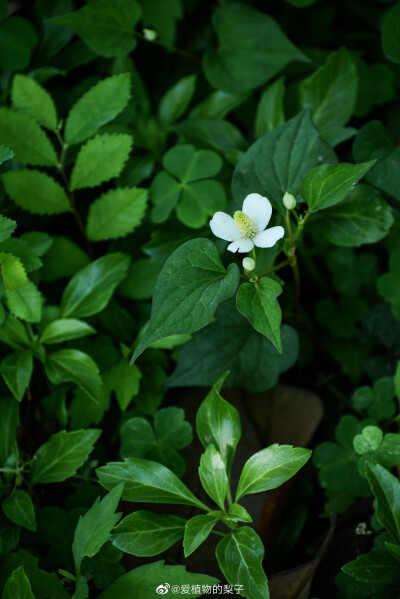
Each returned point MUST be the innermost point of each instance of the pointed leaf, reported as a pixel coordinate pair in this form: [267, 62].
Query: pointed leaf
[197, 530]
[176, 100]
[5, 154]
[29, 97]
[116, 213]
[75, 366]
[213, 475]
[19, 509]
[25, 302]
[36, 192]
[17, 586]
[12, 271]
[16, 370]
[386, 489]
[65, 329]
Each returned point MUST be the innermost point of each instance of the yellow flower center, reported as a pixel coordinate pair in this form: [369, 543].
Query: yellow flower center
[245, 224]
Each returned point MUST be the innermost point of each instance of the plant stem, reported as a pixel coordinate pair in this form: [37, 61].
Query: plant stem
[188, 55]
[276, 267]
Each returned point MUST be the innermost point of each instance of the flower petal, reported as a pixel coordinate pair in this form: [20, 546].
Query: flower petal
[224, 227]
[242, 246]
[259, 209]
[268, 238]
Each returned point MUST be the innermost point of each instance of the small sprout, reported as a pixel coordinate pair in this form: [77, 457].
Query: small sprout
[289, 201]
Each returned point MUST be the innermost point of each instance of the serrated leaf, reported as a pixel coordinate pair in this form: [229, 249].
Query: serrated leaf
[100, 159]
[258, 303]
[327, 185]
[146, 481]
[19, 509]
[17, 586]
[36, 192]
[176, 100]
[116, 213]
[240, 555]
[23, 251]
[94, 528]
[62, 455]
[377, 566]
[197, 530]
[25, 302]
[23, 135]
[213, 475]
[124, 380]
[30, 98]
[145, 534]
[16, 370]
[75, 366]
[106, 27]
[65, 329]
[101, 104]
[90, 289]
[12, 271]
[5, 154]
[270, 468]
[191, 284]
[279, 160]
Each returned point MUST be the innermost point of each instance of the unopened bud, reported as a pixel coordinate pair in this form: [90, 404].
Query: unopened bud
[289, 201]
[248, 264]
[150, 34]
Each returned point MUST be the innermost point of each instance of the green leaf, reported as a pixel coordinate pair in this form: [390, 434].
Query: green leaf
[197, 530]
[101, 104]
[213, 475]
[145, 534]
[171, 427]
[18, 38]
[362, 217]
[94, 528]
[19, 509]
[327, 185]
[9, 421]
[90, 289]
[62, 455]
[63, 259]
[232, 343]
[270, 113]
[237, 513]
[24, 252]
[386, 489]
[146, 481]
[218, 104]
[124, 380]
[23, 135]
[75, 366]
[116, 213]
[14, 333]
[16, 370]
[36, 192]
[25, 302]
[12, 271]
[65, 329]
[218, 424]
[100, 159]
[391, 35]
[270, 468]
[279, 160]
[331, 93]
[369, 440]
[176, 100]
[257, 302]
[252, 49]
[377, 566]
[7, 227]
[217, 134]
[5, 154]
[107, 28]
[389, 283]
[29, 97]
[17, 586]
[143, 581]
[240, 555]
[190, 286]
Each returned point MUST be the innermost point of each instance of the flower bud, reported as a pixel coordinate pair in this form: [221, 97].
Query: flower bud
[248, 264]
[289, 201]
[149, 34]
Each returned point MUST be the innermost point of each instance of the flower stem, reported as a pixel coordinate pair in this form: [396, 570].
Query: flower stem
[276, 267]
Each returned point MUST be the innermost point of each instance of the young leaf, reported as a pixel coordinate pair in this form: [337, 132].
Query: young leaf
[218, 424]
[124, 380]
[176, 100]
[145, 534]
[213, 475]
[23, 135]
[7, 227]
[270, 468]
[191, 284]
[29, 97]
[377, 566]
[90, 289]
[100, 159]
[240, 555]
[278, 161]
[197, 530]
[12, 271]
[146, 481]
[328, 185]
[386, 489]
[19, 509]
[75, 366]
[93, 529]
[36, 192]
[116, 213]
[25, 302]
[101, 104]
[252, 49]
[257, 302]
[16, 370]
[17, 586]
[62, 455]
[65, 329]
[5, 154]
[106, 27]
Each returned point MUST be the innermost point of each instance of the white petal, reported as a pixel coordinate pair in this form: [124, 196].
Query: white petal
[224, 227]
[242, 246]
[259, 209]
[268, 238]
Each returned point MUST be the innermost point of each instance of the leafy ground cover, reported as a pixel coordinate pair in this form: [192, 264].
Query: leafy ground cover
[200, 299]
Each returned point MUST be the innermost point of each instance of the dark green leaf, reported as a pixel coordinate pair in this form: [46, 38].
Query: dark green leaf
[30, 97]
[391, 34]
[19, 509]
[386, 489]
[116, 213]
[18, 586]
[176, 100]
[75, 366]
[377, 566]
[270, 113]
[16, 370]
[65, 329]
[18, 38]
[36, 192]
[197, 530]
[9, 421]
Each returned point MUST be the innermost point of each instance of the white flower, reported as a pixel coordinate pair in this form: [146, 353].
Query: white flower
[247, 227]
